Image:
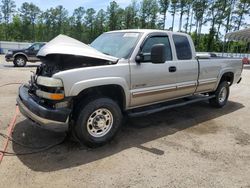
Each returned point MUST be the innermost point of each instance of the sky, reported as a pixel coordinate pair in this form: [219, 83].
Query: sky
[70, 5]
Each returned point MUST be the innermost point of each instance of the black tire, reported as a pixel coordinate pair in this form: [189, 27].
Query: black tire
[88, 121]
[20, 61]
[220, 99]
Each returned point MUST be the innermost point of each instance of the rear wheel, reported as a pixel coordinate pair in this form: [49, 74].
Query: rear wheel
[20, 61]
[98, 122]
[221, 95]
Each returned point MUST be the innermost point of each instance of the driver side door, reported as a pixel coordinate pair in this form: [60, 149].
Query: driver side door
[152, 83]
[32, 51]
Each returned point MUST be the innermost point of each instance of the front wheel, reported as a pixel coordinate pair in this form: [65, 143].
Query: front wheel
[20, 61]
[98, 122]
[221, 95]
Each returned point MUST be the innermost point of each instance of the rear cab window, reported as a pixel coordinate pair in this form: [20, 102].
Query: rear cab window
[182, 47]
[150, 42]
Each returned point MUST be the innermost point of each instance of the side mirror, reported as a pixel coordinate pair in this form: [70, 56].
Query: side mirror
[158, 53]
[139, 58]
[32, 49]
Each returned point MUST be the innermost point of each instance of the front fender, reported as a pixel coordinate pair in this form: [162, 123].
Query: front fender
[20, 53]
[85, 84]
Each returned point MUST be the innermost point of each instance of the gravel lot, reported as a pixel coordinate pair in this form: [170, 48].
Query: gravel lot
[192, 146]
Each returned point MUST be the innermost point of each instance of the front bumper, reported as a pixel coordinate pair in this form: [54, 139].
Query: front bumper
[9, 58]
[56, 119]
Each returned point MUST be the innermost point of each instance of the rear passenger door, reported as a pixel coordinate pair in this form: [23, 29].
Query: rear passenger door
[150, 82]
[187, 65]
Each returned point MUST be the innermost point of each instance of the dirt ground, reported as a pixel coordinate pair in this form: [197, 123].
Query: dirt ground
[191, 146]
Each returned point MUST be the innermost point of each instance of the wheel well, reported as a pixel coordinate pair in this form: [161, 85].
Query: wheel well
[229, 77]
[114, 92]
[20, 55]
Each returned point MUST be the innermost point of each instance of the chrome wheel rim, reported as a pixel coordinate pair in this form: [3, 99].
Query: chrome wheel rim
[100, 122]
[222, 95]
[20, 61]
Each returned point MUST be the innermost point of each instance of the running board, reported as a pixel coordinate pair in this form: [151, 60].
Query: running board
[161, 108]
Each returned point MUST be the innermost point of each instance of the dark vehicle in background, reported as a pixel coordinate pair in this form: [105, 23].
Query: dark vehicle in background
[20, 57]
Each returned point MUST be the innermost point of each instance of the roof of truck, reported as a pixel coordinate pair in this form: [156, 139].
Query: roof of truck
[147, 31]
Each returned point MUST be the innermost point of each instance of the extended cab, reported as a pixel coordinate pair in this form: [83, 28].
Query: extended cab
[89, 88]
[20, 57]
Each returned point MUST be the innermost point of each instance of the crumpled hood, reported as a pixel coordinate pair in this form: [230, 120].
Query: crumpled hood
[65, 45]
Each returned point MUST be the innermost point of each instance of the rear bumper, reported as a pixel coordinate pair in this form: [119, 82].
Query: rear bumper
[48, 117]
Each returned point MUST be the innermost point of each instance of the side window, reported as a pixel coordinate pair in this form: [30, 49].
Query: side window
[182, 46]
[146, 49]
[41, 45]
[36, 47]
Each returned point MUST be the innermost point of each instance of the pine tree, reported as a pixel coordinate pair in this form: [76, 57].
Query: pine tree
[173, 9]
[7, 8]
[163, 8]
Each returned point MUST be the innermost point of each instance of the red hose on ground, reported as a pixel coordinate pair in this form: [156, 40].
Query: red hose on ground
[9, 133]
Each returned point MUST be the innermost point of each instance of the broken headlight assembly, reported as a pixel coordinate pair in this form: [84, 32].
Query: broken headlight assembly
[50, 88]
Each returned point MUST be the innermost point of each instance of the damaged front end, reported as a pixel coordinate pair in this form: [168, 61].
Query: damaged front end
[43, 100]
[63, 53]
[54, 63]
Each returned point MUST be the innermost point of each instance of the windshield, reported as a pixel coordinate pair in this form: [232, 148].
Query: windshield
[119, 45]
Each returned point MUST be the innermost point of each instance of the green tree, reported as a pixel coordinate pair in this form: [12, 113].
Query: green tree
[7, 8]
[56, 22]
[89, 22]
[113, 12]
[188, 18]
[173, 9]
[229, 11]
[100, 22]
[29, 14]
[58, 17]
[213, 14]
[131, 16]
[16, 29]
[243, 8]
[199, 8]
[31, 24]
[148, 14]
[221, 16]
[41, 29]
[1, 27]
[1, 17]
[77, 25]
[183, 5]
[163, 8]
[46, 25]
[79, 14]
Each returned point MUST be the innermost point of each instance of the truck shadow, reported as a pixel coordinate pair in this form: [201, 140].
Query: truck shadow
[135, 133]
[26, 66]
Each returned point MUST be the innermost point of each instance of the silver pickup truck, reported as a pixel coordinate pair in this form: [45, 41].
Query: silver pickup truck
[89, 88]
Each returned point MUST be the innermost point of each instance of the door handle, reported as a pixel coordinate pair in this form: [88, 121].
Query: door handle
[172, 69]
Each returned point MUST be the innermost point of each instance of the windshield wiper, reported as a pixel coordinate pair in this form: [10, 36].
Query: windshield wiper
[106, 53]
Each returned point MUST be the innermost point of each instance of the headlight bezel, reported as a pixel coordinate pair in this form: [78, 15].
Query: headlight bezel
[10, 52]
[49, 82]
[51, 88]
